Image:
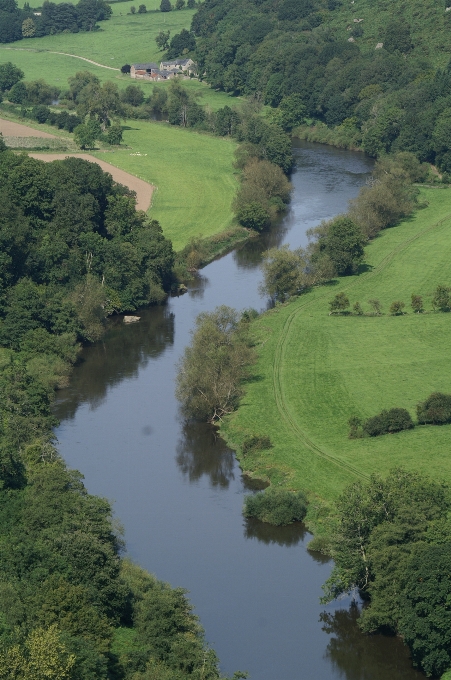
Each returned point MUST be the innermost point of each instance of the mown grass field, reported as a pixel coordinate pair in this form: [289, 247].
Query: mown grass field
[193, 173]
[315, 371]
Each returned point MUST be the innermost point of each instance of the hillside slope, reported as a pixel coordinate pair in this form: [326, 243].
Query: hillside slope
[375, 71]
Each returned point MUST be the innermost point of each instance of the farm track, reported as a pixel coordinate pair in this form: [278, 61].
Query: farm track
[279, 396]
[64, 54]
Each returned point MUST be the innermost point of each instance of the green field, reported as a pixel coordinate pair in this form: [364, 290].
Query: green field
[315, 371]
[123, 39]
[193, 174]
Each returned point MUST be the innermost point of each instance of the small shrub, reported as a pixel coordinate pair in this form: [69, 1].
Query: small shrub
[339, 304]
[396, 308]
[441, 300]
[357, 309]
[416, 302]
[436, 410]
[40, 113]
[355, 425]
[320, 544]
[114, 135]
[253, 216]
[377, 307]
[255, 443]
[394, 420]
[249, 315]
[276, 506]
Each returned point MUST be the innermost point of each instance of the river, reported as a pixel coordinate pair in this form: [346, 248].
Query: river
[178, 491]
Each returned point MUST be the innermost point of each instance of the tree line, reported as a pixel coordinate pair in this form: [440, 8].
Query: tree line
[18, 23]
[435, 410]
[441, 302]
[392, 543]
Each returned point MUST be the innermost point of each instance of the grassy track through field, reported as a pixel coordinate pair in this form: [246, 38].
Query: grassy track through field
[315, 371]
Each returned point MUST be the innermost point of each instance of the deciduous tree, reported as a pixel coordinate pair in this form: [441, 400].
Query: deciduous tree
[211, 371]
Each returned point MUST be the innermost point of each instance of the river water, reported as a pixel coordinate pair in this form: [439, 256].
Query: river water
[177, 488]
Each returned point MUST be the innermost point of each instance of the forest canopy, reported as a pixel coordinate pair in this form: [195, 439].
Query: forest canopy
[395, 98]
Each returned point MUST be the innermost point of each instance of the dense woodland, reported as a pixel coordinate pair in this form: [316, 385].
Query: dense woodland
[310, 57]
[73, 249]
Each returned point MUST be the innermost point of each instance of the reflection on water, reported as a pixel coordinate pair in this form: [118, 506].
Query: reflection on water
[201, 452]
[361, 657]
[288, 536]
[117, 357]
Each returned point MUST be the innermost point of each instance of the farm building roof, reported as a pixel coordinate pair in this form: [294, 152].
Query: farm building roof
[145, 67]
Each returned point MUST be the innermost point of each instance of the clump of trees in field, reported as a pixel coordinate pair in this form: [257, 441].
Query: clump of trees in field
[276, 506]
[435, 410]
[386, 422]
[213, 367]
[393, 544]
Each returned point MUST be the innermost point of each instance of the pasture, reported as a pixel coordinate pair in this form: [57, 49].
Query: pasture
[123, 39]
[193, 175]
[315, 371]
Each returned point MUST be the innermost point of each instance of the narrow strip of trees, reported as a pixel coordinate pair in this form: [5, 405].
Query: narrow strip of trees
[212, 370]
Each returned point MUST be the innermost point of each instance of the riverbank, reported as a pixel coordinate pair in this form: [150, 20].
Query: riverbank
[315, 371]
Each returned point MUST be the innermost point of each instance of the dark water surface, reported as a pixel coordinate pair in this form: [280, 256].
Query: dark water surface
[178, 491]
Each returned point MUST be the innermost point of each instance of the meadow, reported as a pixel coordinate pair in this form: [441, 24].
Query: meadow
[193, 173]
[315, 371]
[123, 39]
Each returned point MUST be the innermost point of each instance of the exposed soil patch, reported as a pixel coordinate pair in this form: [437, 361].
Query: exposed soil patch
[10, 129]
[143, 189]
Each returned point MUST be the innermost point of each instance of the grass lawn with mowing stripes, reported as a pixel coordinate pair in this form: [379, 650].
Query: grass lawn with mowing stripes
[315, 371]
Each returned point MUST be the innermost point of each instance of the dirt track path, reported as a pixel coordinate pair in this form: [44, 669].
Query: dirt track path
[143, 189]
[65, 54]
[10, 129]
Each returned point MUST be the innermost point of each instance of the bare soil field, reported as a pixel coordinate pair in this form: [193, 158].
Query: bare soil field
[10, 129]
[143, 189]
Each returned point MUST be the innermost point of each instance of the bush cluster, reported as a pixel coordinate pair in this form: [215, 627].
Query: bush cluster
[276, 506]
[386, 422]
[435, 410]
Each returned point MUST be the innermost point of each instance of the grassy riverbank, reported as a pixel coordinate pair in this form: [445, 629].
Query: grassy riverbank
[314, 371]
